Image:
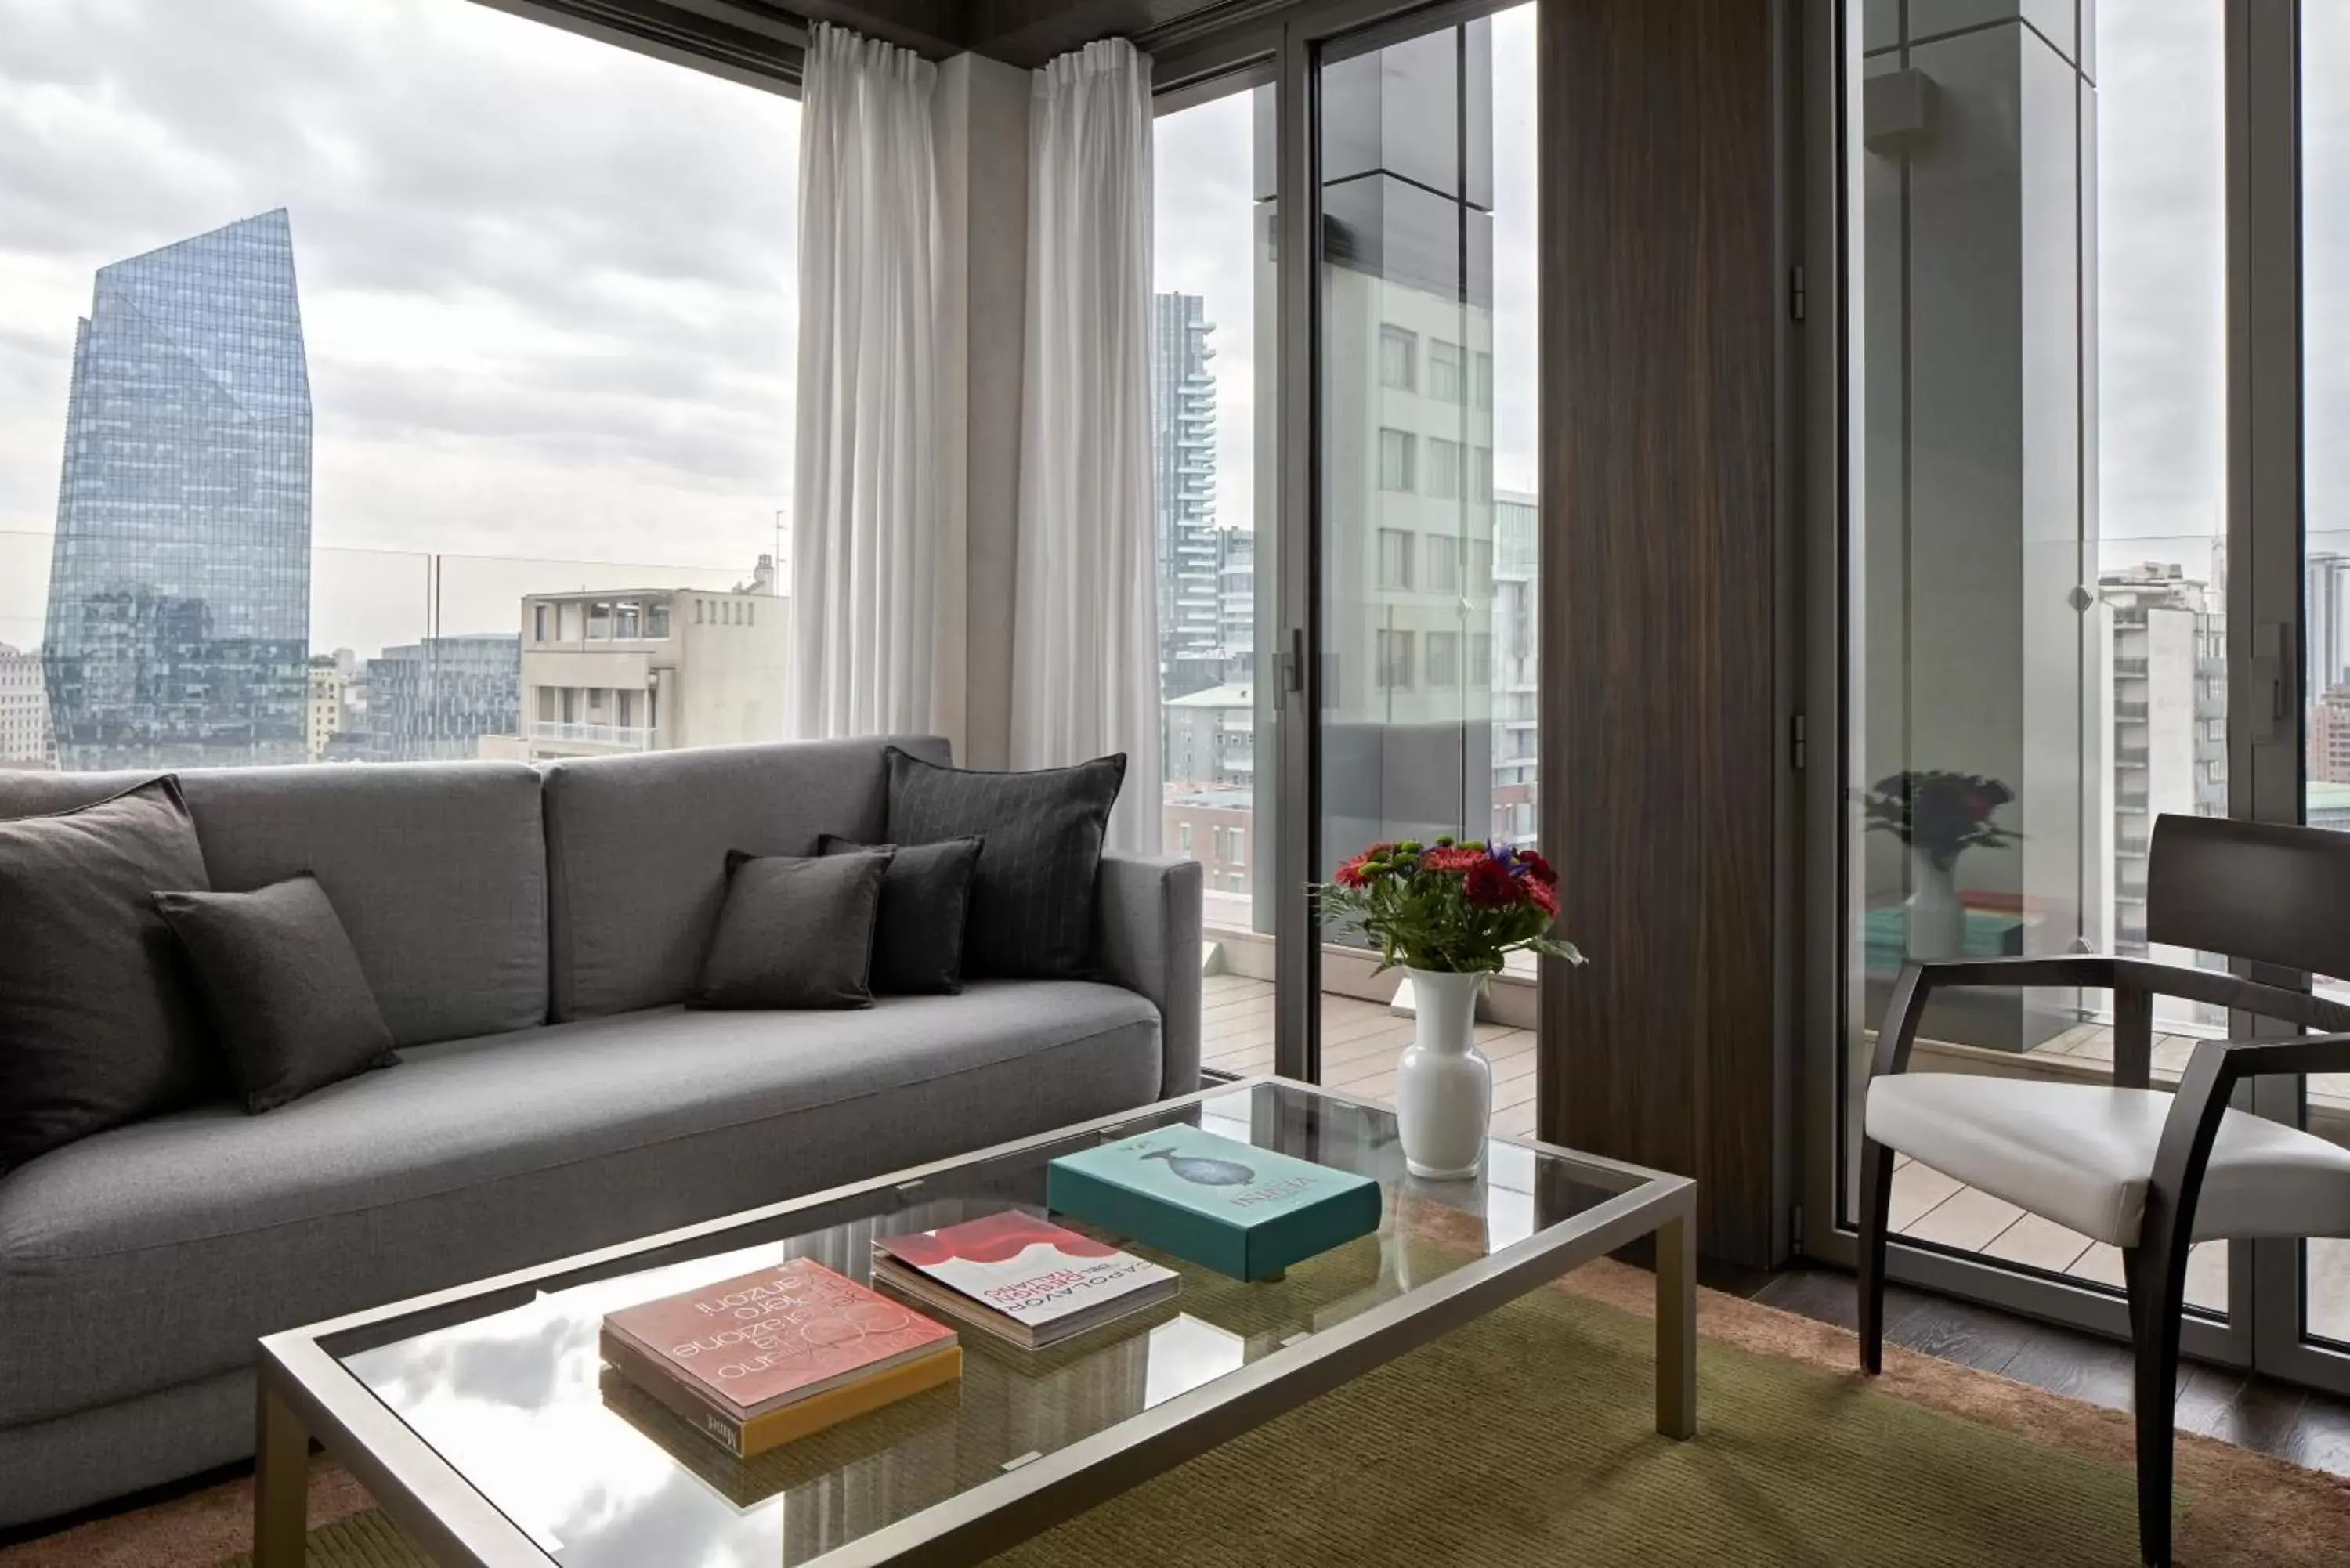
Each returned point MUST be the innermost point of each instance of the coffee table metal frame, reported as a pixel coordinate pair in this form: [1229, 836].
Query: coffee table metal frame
[305, 1390]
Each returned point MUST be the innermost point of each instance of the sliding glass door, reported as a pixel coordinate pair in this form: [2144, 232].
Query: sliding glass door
[1427, 515]
[1215, 382]
[1345, 331]
[2032, 560]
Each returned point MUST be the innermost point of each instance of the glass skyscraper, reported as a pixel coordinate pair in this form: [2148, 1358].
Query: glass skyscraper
[179, 612]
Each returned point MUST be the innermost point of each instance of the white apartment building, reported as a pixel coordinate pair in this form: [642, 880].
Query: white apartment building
[646, 670]
[2165, 724]
[27, 739]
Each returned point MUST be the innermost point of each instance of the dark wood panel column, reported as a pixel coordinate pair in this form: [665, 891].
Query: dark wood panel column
[1661, 742]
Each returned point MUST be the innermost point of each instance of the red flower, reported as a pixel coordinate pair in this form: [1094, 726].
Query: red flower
[1537, 867]
[1544, 897]
[1350, 874]
[1453, 859]
[1490, 887]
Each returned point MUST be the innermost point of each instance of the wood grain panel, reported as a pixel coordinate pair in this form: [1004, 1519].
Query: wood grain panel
[1659, 743]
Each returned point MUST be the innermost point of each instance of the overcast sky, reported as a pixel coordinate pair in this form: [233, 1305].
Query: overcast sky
[547, 283]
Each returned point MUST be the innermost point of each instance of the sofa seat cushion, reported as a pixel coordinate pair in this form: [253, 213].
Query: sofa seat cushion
[209, 1228]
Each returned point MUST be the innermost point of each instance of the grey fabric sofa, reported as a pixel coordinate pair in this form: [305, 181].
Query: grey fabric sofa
[529, 934]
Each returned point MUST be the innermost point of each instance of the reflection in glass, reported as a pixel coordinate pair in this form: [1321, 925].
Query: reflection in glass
[517, 1402]
[2036, 610]
[1427, 571]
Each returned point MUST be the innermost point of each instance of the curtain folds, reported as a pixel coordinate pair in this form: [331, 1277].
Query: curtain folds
[867, 541]
[1086, 633]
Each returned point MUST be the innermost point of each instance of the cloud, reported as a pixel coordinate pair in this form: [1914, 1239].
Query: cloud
[534, 267]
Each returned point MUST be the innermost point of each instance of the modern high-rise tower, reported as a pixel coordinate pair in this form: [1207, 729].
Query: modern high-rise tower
[179, 612]
[1191, 652]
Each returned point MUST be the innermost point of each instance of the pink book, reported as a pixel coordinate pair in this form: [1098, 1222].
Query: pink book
[763, 1341]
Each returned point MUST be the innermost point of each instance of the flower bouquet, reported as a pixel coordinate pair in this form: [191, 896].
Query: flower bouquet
[1448, 907]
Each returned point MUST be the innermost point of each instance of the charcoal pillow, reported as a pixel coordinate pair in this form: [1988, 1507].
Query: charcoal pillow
[99, 1025]
[925, 897]
[1032, 893]
[795, 932]
[290, 1008]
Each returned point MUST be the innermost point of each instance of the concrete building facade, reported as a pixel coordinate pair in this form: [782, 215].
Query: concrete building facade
[26, 740]
[647, 670]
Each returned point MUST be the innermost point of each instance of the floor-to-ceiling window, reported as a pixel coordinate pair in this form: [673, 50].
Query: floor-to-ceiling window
[2324, 189]
[1420, 498]
[384, 379]
[2035, 570]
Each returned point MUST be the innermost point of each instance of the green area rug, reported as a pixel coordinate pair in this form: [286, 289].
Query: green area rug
[1527, 1439]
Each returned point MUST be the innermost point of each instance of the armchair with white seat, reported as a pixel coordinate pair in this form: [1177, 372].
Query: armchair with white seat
[2147, 1170]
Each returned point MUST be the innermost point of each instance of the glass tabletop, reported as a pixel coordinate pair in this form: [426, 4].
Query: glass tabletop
[507, 1388]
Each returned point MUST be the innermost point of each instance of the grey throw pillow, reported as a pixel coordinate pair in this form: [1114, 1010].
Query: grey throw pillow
[795, 932]
[290, 1007]
[97, 1024]
[1032, 893]
[925, 899]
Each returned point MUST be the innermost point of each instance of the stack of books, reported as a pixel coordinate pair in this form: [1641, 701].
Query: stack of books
[764, 1358]
[1021, 1278]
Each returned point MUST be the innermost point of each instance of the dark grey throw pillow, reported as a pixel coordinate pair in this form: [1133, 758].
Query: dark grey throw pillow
[925, 899]
[1031, 894]
[97, 1024]
[290, 1007]
[795, 932]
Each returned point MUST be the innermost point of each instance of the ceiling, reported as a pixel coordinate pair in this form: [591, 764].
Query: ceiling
[765, 36]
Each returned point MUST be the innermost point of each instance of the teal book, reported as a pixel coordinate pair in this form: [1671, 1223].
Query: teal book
[1242, 1211]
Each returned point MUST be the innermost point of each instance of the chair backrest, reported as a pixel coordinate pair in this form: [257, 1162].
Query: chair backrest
[2257, 891]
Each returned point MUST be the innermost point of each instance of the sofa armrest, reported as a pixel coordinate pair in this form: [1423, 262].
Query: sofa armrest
[1147, 937]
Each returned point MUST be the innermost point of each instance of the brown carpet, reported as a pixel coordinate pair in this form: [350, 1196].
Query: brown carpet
[1525, 1439]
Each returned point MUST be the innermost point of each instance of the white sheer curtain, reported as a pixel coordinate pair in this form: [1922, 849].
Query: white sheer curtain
[866, 519]
[1084, 677]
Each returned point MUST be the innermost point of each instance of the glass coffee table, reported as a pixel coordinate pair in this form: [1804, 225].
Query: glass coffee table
[482, 1424]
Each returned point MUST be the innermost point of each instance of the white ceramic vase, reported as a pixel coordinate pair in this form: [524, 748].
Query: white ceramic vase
[1444, 1085]
[1936, 921]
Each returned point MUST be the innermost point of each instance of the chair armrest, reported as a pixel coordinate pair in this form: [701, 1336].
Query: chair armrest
[1146, 939]
[2193, 1125]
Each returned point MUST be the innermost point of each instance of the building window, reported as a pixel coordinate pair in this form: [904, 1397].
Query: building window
[1443, 468]
[1485, 382]
[538, 623]
[599, 622]
[1237, 856]
[1398, 359]
[1480, 473]
[657, 620]
[1398, 460]
[1443, 658]
[1217, 838]
[627, 620]
[1396, 652]
[698, 608]
[1481, 659]
[1184, 839]
[1443, 556]
[1395, 560]
[1444, 371]
[1481, 567]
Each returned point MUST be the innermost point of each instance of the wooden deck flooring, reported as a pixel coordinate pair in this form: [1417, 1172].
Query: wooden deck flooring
[1360, 1042]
